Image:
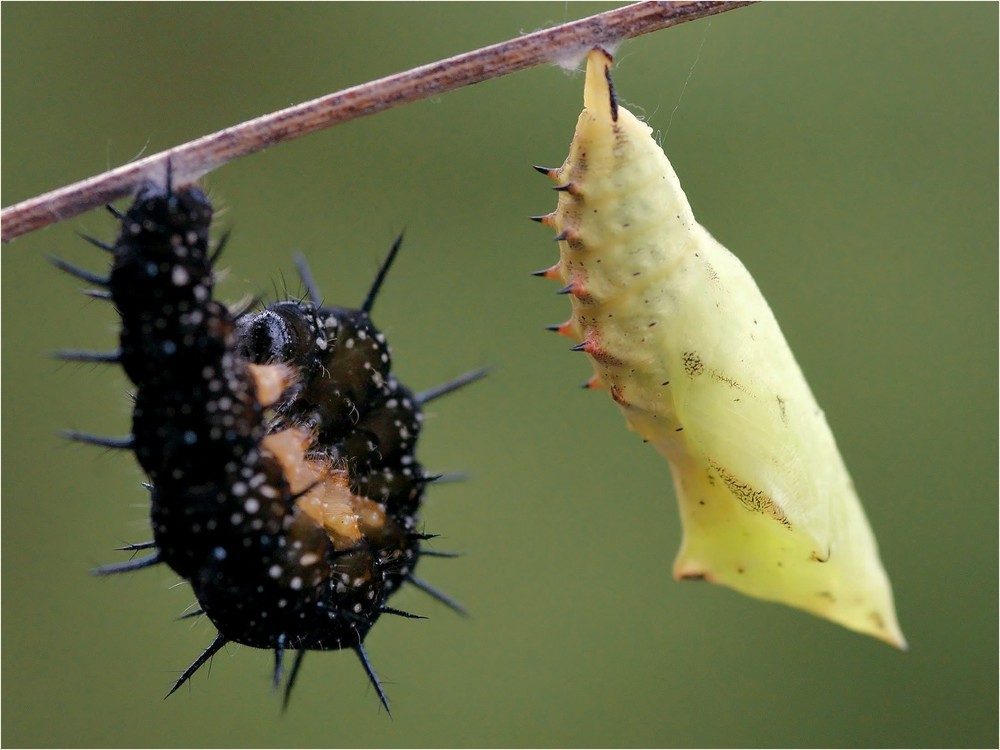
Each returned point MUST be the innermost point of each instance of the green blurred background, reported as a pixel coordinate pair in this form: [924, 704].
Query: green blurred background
[847, 153]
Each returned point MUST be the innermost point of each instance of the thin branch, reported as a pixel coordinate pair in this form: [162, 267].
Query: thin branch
[191, 160]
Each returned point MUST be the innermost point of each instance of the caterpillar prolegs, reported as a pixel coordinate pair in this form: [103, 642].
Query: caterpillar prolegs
[279, 445]
[685, 343]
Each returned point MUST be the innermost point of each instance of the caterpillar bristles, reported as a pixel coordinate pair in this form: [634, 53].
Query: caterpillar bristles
[279, 654]
[369, 301]
[128, 567]
[421, 537]
[372, 677]
[97, 243]
[114, 212]
[82, 355]
[307, 278]
[439, 595]
[97, 293]
[435, 553]
[208, 653]
[135, 547]
[192, 614]
[429, 478]
[400, 612]
[452, 385]
[116, 443]
[219, 247]
[292, 676]
[450, 477]
[80, 273]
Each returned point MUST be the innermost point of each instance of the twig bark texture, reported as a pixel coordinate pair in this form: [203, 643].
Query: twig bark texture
[191, 160]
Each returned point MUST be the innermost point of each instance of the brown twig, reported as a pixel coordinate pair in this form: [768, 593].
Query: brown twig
[191, 160]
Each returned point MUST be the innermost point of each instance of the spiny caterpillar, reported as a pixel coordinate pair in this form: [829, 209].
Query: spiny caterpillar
[278, 444]
[682, 339]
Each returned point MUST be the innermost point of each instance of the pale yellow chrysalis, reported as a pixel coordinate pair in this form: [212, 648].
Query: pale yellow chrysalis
[682, 338]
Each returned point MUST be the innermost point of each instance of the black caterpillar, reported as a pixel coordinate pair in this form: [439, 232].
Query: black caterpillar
[278, 444]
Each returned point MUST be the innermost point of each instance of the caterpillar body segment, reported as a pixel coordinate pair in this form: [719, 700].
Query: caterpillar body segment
[682, 338]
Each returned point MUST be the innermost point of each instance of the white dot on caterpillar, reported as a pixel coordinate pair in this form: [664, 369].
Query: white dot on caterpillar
[219, 553]
[274, 571]
[257, 524]
[179, 276]
[309, 558]
[252, 505]
[349, 344]
[295, 584]
[236, 519]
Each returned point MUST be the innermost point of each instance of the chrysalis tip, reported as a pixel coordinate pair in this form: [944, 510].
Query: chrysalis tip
[598, 90]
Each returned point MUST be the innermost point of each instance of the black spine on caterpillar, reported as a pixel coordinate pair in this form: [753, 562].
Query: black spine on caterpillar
[272, 566]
